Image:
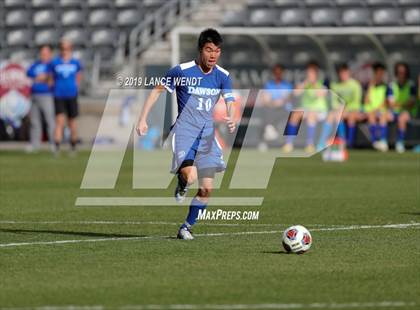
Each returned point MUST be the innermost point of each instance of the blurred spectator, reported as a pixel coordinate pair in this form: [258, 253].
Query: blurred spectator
[402, 106]
[277, 94]
[66, 72]
[312, 93]
[349, 90]
[42, 99]
[376, 103]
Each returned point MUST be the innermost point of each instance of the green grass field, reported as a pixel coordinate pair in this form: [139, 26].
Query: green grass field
[356, 261]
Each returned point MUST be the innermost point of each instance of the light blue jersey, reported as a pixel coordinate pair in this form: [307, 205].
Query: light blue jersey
[193, 132]
[281, 90]
[198, 92]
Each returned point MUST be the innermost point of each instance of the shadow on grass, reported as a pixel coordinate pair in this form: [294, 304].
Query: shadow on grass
[275, 252]
[411, 213]
[72, 233]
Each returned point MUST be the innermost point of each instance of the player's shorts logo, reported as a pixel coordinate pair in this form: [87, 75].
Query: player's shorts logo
[291, 234]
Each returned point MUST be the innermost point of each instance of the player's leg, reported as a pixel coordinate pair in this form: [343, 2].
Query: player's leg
[402, 121]
[187, 175]
[59, 122]
[291, 131]
[382, 144]
[311, 122]
[198, 204]
[184, 148]
[48, 110]
[72, 113]
[352, 118]
[371, 118]
[326, 129]
[36, 125]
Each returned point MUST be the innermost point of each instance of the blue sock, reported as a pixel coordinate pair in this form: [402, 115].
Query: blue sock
[384, 132]
[341, 131]
[326, 130]
[290, 132]
[351, 135]
[372, 130]
[401, 135]
[195, 207]
[310, 134]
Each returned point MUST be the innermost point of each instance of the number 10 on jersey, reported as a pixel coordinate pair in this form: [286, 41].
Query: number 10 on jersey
[207, 104]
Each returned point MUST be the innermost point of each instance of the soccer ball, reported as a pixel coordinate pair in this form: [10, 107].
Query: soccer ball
[297, 239]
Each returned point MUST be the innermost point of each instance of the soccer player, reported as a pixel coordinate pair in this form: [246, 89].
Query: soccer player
[196, 153]
[312, 94]
[349, 90]
[42, 100]
[67, 75]
[376, 103]
[277, 94]
[404, 98]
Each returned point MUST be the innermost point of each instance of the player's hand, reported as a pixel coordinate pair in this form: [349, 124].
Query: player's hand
[142, 128]
[231, 124]
[42, 77]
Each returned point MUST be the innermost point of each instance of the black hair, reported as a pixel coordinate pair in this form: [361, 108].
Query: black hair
[46, 46]
[403, 64]
[278, 66]
[378, 66]
[209, 35]
[343, 66]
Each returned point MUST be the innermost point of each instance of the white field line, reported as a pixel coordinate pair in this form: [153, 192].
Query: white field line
[163, 201]
[353, 227]
[148, 223]
[350, 305]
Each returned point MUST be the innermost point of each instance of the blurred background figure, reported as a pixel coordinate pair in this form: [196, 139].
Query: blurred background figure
[350, 91]
[377, 100]
[66, 72]
[312, 96]
[277, 95]
[404, 94]
[42, 99]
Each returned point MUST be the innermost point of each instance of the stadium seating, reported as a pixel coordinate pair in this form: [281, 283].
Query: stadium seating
[293, 17]
[27, 24]
[326, 13]
[355, 17]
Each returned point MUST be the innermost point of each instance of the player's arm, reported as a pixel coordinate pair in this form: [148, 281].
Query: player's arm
[230, 120]
[78, 78]
[412, 100]
[42, 77]
[367, 95]
[230, 101]
[142, 126]
[79, 74]
[389, 98]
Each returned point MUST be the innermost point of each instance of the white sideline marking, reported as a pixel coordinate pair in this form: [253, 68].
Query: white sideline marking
[148, 223]
[353, 227]
[351, 305]
[163, 201]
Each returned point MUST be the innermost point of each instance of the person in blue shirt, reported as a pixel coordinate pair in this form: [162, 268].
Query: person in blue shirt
[196, 152]
[277, 95]
[42, 101]
[66, 72]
